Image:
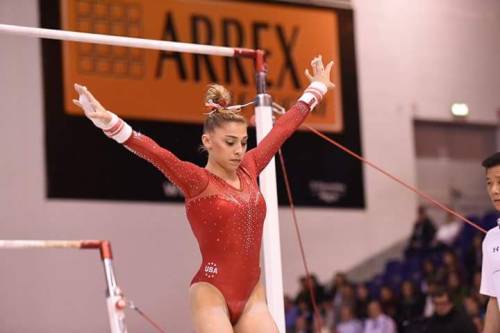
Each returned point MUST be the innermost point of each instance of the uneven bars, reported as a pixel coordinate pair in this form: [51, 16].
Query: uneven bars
[143, 43]
[272, 253]
[103, 245]
[114, 298]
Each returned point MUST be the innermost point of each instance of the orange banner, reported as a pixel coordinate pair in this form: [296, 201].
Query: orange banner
[166, 86]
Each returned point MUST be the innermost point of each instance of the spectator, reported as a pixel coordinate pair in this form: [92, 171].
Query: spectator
[473, 309]
[422, 235]
[447, 317]
[349, 324]
[411, 305]
[474, 254]
[348, 295]
[388, 301]
[321, 324]
[302, 325]
[305, 313]
[456, 288]
[362, 300]
[471, 306]
[305, 294]
[291, 313]
[429, 271]
[448, 231]
[432, 287]
[476, 285]
[378, 322]
[339, 280]
[328, 315]
[450, 264]
[345, 296]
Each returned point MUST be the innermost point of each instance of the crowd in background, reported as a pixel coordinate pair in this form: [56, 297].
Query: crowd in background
[434, 289]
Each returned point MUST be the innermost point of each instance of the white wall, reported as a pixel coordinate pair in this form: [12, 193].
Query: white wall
[414, 57]
[439, 176]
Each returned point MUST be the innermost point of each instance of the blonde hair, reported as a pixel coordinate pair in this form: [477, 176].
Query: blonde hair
[217, 94]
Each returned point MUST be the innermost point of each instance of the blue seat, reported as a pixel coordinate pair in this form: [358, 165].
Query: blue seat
[393, 266]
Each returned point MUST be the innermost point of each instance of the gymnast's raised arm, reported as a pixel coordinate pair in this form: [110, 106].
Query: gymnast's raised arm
[190, 178]
[260, 156]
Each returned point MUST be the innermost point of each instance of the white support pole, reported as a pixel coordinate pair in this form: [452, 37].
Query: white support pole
[271, 237]
[116, 313]
[120, 41]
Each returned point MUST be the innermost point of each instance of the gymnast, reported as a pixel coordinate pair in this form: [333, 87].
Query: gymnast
[223, 204]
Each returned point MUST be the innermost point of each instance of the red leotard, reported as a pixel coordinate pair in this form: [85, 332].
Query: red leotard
[226, 221]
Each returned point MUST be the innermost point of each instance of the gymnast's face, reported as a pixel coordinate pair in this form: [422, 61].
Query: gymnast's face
[493, 185]
[226, 144]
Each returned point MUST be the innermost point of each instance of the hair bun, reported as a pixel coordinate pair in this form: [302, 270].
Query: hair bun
[217, 94]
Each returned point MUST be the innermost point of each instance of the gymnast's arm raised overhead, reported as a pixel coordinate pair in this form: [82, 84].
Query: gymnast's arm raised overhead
[188, 177]
[260, 156]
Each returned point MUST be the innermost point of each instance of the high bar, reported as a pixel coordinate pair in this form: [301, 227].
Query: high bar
[143, 43]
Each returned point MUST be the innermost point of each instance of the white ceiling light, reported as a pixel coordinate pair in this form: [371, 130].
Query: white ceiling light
[459, 110]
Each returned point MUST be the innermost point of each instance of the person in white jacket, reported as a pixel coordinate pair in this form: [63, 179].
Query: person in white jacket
[378, 322]
[448, 231]
[490, 275]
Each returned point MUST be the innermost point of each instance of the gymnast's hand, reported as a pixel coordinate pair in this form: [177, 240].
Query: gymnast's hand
[91, 107]
[320, 73]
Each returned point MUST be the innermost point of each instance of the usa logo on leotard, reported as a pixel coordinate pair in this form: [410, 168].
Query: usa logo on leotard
[211, 270]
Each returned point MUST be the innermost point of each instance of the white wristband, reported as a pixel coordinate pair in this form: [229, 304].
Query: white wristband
[117, 129]
[313, 94]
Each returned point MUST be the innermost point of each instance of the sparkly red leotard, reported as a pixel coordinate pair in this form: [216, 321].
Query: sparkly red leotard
[226, 221]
